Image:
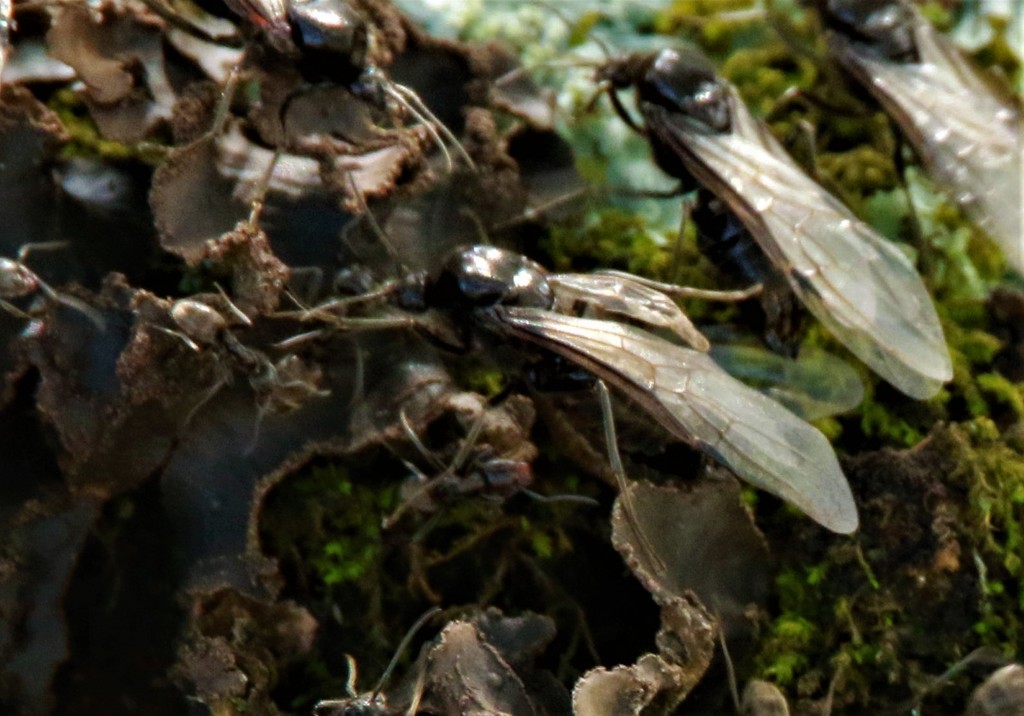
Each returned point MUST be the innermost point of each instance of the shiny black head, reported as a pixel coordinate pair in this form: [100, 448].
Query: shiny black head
[355, 706]
[330, 27]
[331, 37]
[884, 27]
[485, 276]
[679, 81]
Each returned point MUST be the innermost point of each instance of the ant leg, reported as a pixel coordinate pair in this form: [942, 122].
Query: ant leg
[806, 98]
[535, 212]
[615, 460]
[557, 499]
[620, 109]
[192, 345]
[220, 115]
[297, 340]
[26, 249]
[921, 242]
[687, 291]
[417, 690]
[262, 187]
[311, 286]
[730, 670]
[51, 293]
[467, 445]
[402, 646]
[371, 219]
[235, 310]
[14, 310]
[414, 439]
[217, 387]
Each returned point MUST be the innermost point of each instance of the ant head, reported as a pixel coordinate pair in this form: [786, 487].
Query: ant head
[16, 280]
[623, 72]
[884, 26]
[484, 276]
[330, 27]
[199, 322]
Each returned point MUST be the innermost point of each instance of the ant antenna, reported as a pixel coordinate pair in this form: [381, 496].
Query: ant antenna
[984, 654]
[262, 187]
[402, 645]
[413, 438]
[672, 289]
[534, 212]
[414, 103]
[417, 693]
[353, 676]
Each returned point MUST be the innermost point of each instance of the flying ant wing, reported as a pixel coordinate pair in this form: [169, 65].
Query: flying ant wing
[814, 385]
[620, 296]
[700, 403]
[968, 137]
[863, 289]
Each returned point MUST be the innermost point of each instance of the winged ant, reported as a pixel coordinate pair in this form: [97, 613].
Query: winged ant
[484, 297]
[968, 136]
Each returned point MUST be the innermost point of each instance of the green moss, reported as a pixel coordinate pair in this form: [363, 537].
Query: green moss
[708, 21]
[762, 75]
[346, 543]
[86, 140]
[878, 421]
[1001, 391]
[611, 238]
[944, 523]
[937, 14]
[993, 475]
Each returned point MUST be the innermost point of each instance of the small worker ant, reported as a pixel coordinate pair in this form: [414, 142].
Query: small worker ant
[374, 703]
[474, 470]
[279, 387]
[18, 281]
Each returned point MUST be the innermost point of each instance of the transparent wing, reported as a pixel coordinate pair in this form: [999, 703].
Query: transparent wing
[861, 287]
[618, 296]
[815, 385]
[967, 137]
[700, 403]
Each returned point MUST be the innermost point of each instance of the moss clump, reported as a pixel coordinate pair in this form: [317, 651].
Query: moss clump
[860, 172]
[764, 74]
[712, 23]
[341, 535]
[934, 572]
[611, 238]
[86, 140]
